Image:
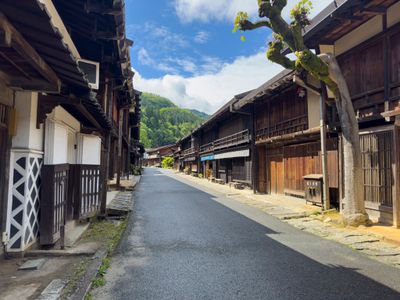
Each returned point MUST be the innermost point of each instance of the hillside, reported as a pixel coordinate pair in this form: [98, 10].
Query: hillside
[164, 123]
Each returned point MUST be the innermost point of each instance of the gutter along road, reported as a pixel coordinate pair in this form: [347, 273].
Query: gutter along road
[184, 243]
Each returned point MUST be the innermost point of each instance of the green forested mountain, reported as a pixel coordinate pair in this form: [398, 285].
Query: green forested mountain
[164, 123]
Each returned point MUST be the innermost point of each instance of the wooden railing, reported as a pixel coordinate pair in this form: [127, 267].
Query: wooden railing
[293, 125]
[207, 148]
[232, 140]
[87, 184]
[189, 152]
[54, 195]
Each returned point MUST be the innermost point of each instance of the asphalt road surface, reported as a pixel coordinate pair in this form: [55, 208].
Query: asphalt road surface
[184, 243]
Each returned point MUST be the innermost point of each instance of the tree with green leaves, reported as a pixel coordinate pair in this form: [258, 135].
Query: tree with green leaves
[167, 162]
[325, 68]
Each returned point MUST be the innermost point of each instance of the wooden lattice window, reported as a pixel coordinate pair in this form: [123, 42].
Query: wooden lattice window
[377, 157]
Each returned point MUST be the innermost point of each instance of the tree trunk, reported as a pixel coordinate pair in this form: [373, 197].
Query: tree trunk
[354, 207]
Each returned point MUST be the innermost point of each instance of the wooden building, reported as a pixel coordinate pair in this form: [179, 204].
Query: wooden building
[365, 37]
[154, 157]
[287, 137]
[65, 83]
[285, 115]
[221, 147]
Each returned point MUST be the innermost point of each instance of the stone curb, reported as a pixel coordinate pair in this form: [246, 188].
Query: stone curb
[85, 283]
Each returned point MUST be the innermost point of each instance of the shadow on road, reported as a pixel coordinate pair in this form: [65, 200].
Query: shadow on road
[197, 248]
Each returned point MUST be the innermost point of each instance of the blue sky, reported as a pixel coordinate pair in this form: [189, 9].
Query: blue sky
[185, 50]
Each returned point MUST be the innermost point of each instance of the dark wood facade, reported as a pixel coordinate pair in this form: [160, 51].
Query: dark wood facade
[283, 119]
[289, 146]
[5, 141]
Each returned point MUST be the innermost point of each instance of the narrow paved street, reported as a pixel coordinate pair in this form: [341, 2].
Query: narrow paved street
[184, 243]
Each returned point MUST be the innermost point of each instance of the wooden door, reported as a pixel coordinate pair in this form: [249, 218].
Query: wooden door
[262, 170]
[279, 176]
[276, 175]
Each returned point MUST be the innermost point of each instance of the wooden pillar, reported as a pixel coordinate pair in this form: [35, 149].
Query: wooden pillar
[324, 153]
[105, 159]
[253, 150]
[396, 173]
[5, 147]
[119, 159]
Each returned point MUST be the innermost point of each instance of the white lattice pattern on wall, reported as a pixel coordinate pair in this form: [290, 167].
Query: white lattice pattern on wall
[24, 199]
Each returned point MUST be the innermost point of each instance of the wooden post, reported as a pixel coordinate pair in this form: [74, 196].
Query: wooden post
[5, 150]
[396, 174]
[324, 154]
[119, 160]
[253, 151]
[108, 95]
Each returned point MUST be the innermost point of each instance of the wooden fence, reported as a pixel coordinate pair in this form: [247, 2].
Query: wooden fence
[53, 202]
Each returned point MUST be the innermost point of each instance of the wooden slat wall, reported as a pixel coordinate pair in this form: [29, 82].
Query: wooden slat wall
[286, 166]
[262, 176]
[232, 125]
[285, 114]
[364, 70]
[302, 160]
[395, 66]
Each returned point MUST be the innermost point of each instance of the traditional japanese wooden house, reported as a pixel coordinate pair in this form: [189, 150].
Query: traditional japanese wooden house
[226, 150]
[221, 147]
[365, 37]
[56, 104]
[154, 157]
[188, 153]
[287, 137]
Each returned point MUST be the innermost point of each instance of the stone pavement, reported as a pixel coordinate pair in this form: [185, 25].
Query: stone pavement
[378, 242]
[122, 204]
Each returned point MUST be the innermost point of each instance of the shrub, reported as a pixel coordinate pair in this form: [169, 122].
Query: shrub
[167, 162]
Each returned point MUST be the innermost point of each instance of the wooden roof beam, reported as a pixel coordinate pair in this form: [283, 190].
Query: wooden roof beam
[11, 38]
[374, 10]
[115, 10]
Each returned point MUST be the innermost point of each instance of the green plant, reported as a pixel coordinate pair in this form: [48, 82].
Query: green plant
[167, 162]
[200, 175]
[136, 170]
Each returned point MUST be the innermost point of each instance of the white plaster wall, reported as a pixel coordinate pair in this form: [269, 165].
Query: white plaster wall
[71, 148]
[60, 115]
[61, 131]
[313, 103]
[359, 35]
[89, 149]
[27, 136]
[367, 30]
[56, 150]
[393, 14]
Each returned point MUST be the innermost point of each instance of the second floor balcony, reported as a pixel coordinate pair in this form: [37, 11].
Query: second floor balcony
[237, 139]
[189, 152]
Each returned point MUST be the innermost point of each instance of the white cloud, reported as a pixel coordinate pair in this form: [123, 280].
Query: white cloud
[209, 92]
[145, 59]
[202, 37]
[208, 10]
